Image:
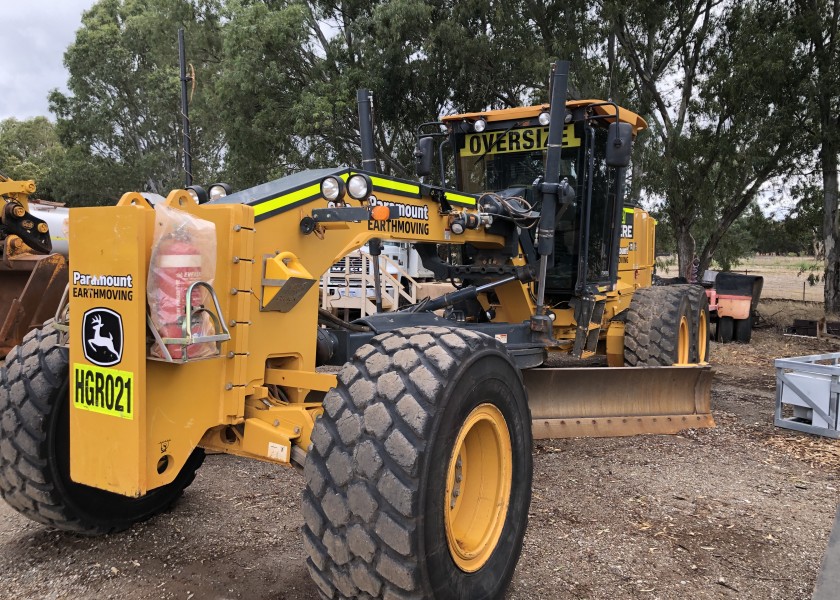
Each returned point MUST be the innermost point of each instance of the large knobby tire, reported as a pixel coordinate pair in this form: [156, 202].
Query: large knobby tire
[743, 330]
[389, 501]
[35, 448]
[698, 303]
[657, 330]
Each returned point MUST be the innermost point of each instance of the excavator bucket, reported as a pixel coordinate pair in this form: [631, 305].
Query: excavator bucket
[31, 287]
[618, 401]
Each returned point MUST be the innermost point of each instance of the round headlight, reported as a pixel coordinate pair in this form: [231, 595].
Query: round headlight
[198, 193]
[479, 125]
[332, 188]
[218, 190]
[545, 118]
[359, 186]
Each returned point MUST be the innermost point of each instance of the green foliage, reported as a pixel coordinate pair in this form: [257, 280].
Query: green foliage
[123, 113]
[29, 150]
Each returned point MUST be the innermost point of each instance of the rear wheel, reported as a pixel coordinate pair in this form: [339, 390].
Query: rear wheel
[35, 448]
[743, 330]
[700, 331]
[657, 330]
[725, 327]
[419, 477]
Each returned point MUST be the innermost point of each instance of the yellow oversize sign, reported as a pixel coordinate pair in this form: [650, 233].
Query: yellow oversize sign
[516, 140]
[104, 391]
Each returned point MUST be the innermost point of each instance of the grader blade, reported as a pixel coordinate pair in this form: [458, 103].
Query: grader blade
[30, 290]
[618, 401]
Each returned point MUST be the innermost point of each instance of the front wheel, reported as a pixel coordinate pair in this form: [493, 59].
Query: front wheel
[419, 478]
[35, 448]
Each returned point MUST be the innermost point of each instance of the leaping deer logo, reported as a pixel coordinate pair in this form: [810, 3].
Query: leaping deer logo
[102, 336]
[100, 340]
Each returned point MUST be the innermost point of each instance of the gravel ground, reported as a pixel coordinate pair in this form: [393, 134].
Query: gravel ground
[740, 511]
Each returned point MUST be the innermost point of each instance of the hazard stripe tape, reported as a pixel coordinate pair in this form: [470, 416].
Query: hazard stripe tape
[460, 198]
[313, 191]
[286, 199]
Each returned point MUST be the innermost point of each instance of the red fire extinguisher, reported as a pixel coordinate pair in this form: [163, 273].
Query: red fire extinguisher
[176, 264]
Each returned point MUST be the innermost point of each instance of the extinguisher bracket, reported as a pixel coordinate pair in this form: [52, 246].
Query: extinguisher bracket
[221, 332]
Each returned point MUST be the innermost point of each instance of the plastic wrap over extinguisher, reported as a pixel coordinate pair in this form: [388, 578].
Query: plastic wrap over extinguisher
[183, 252]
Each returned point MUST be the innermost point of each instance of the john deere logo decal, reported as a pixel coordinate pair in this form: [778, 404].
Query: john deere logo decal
[102, 336]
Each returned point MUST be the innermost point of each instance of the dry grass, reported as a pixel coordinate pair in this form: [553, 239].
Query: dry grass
[781, 313]
[785, 277]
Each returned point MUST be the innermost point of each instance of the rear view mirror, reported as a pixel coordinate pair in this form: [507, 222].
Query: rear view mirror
[619, 144]
[423, 155]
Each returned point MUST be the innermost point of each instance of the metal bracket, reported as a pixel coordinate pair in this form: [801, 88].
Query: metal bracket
[189, 338]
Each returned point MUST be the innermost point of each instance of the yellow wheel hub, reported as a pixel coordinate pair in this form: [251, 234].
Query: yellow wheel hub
[478, 484]
[703, 335]
[683, 342]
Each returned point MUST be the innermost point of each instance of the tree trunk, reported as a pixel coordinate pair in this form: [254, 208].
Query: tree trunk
[686, 247]
[831, 229]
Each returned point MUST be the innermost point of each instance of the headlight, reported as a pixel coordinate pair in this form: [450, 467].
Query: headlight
[359, 186]
[218, 190]
[545, 118]
[198, 193]
[479, 125]
[332, 188]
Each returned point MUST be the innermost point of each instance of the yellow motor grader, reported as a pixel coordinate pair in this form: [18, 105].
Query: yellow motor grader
[416, 456]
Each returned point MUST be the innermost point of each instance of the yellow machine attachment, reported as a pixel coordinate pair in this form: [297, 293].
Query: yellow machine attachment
[32, 279]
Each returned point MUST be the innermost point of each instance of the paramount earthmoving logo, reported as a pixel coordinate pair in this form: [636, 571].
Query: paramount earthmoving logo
[102, 336]
[415, 226]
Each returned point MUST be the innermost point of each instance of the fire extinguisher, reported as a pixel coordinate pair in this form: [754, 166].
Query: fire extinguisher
[176, 264]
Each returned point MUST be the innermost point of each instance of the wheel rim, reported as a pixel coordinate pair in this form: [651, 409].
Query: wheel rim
[702, 335]
[478, 486]
[683, 342]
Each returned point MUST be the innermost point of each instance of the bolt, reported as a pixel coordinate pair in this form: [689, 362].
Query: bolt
[42, 228]
[297, 429]
[19, 211]
[277, 422]
[235, 259]
[228, 386]
[458, 477]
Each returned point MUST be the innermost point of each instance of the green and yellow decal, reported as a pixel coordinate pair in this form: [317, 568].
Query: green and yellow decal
[104, 391]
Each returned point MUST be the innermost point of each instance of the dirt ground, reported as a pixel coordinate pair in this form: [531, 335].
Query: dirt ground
[740, 511]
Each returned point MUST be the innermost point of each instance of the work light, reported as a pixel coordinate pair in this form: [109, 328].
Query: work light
[218, 190]
[479, 125]
[332, 188]
[359, 186]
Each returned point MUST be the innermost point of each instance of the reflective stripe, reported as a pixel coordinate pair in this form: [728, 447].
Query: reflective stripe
[286, 199]
[453, 197]
[176, 261]
[395, 185]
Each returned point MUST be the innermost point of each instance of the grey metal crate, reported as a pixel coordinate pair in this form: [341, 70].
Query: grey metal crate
[812, 390]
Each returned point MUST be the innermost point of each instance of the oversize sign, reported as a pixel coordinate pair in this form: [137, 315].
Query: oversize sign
[527, 139]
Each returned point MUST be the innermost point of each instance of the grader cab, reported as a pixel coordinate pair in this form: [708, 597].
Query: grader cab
[417, 455]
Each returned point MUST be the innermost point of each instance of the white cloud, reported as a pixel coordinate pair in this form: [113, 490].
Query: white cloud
[35, 35]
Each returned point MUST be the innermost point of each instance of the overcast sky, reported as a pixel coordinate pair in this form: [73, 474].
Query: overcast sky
[35, 35]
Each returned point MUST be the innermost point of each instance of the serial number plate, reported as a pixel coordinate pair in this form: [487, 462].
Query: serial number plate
[104, 391]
